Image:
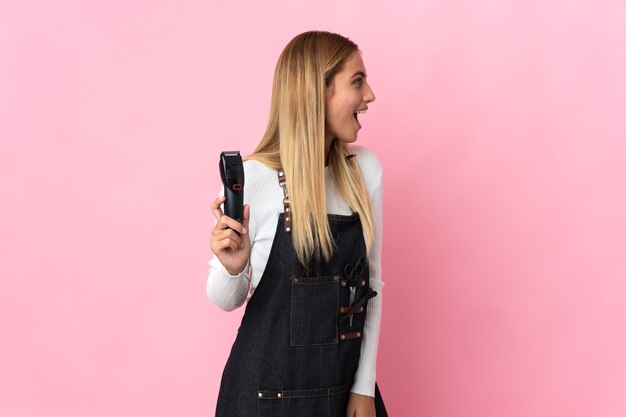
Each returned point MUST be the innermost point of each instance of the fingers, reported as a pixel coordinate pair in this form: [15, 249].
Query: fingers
[226, 239]
[224, 222]
[223, 246]
[216, 207]
[228, 234]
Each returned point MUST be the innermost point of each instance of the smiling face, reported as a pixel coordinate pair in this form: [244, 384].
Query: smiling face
[347, 96]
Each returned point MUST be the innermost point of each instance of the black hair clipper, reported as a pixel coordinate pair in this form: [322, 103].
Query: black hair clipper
[231, 171]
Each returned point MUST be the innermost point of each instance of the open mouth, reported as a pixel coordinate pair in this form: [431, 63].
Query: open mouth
[356, 113]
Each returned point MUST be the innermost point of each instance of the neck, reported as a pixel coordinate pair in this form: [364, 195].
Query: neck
[329, 143]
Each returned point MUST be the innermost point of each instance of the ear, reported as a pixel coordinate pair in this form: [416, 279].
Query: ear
[330, 90]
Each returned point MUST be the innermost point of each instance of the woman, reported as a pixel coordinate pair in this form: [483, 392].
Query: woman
[309, 247]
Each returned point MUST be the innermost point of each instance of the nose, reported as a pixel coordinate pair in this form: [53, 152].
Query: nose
[369, 95]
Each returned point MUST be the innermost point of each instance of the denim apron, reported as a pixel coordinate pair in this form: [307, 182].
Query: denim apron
[299, 343]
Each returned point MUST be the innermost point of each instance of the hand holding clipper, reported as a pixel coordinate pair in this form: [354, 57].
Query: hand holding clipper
[231, 171]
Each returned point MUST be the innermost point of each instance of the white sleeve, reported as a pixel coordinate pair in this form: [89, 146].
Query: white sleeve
[365, 378]
[225, 290]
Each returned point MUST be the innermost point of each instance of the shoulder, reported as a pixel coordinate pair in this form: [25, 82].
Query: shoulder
[264, 195]
[370, 165]
[256, 173]
[261, 184]
[367, 159]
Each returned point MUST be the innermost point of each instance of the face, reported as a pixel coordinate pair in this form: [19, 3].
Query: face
[347, 98]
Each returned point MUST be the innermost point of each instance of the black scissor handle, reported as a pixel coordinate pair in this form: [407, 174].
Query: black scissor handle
[356, 270]
[370, 294]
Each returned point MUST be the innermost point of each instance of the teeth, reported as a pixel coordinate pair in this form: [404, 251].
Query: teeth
[361, 111]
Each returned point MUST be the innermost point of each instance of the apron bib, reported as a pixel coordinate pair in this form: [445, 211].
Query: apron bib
[298, 346]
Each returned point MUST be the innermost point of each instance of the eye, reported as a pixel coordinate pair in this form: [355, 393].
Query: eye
[358, 82]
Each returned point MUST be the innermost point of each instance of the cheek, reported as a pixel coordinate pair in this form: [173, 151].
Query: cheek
[336, 112]
[346, 108]
[340, 110]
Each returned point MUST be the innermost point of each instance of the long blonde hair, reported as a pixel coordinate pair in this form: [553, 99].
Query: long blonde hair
[294, 141]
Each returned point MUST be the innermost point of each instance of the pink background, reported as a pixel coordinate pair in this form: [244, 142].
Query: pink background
[501, 129]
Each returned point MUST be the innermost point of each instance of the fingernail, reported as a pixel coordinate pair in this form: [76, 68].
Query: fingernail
[244, 231]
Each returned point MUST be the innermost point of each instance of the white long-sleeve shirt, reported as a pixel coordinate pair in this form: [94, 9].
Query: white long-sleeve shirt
[265, 197]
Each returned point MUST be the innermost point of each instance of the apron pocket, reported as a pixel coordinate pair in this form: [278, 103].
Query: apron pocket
[318, 402]
[313, 319]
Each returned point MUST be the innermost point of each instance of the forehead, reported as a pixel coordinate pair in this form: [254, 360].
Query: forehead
[352, 65]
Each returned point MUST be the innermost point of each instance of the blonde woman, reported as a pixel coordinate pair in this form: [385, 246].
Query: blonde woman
[308, 249]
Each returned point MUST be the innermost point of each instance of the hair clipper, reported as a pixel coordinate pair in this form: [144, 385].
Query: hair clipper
[231, 171]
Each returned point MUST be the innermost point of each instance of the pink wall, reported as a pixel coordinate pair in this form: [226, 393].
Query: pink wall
[501, 129]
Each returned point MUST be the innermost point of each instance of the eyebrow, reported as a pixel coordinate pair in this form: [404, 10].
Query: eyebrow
[361, 73]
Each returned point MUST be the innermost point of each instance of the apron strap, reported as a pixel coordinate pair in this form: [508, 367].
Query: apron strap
[287, 205]
[282, 181]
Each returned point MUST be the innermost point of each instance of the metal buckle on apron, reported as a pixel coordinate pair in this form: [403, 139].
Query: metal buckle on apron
[287, 205]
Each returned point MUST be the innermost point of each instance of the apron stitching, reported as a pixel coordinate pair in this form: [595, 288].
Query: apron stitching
[336, 337]
[328, 403]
